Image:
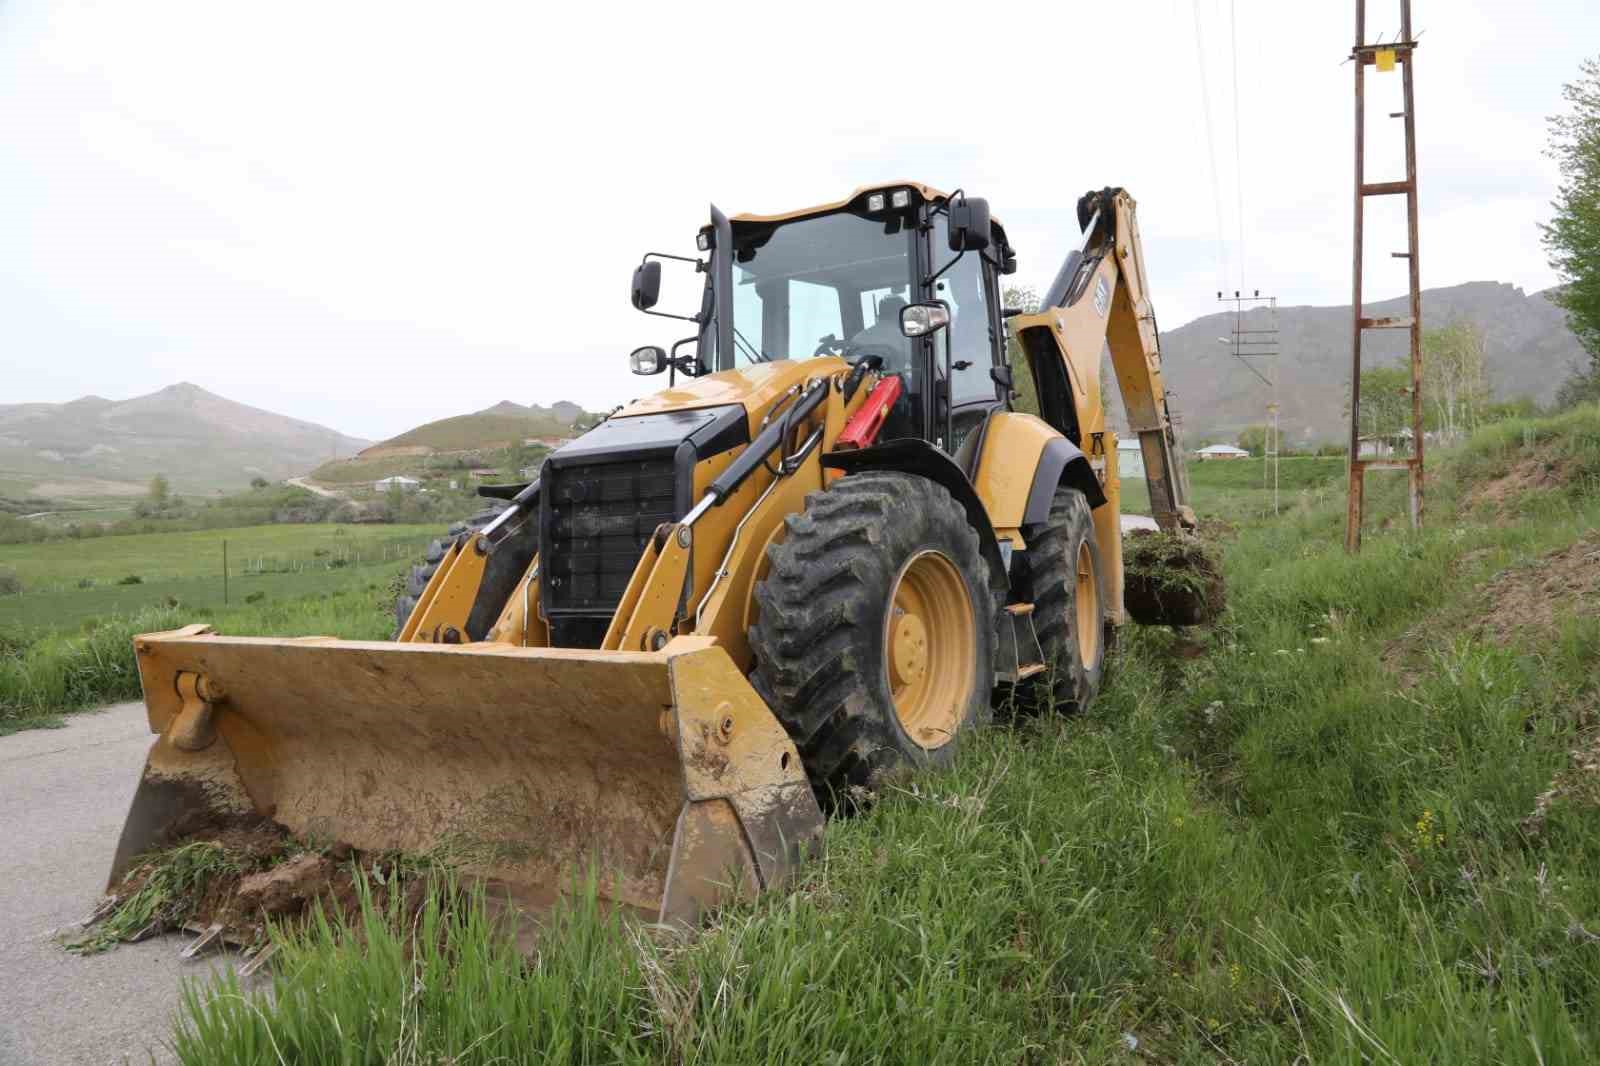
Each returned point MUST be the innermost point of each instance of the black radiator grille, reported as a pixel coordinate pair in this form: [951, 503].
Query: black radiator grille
[601, 517]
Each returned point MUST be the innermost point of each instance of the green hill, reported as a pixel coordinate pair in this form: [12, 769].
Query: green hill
[494, 427]
[493, 437]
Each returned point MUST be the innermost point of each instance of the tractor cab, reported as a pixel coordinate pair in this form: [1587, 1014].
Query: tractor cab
[901, 275]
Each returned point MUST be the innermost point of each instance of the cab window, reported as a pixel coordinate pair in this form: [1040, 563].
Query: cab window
[971, 346]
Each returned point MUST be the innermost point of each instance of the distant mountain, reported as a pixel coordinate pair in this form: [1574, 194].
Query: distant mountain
[1530, 353]
[201, 441]
[494, 427]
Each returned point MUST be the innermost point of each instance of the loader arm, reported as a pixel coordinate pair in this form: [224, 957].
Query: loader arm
[1098, 301]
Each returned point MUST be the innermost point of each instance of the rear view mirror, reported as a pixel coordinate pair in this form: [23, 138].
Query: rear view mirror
[646, 285]
[919, 320]
[969, 224]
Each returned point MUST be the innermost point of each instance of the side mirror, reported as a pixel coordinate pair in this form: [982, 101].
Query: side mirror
[646, 286]
[647, 360]
[969, 224]
[919, 320]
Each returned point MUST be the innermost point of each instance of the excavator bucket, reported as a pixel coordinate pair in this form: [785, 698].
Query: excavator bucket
[662, 775]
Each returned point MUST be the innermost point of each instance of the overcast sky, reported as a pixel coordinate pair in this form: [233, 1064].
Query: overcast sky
[372, 216]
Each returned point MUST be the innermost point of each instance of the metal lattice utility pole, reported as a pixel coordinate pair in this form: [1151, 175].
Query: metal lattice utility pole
[1385, 57]
[1260, 342]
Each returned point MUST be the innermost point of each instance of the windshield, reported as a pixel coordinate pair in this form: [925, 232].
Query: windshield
[818, 286]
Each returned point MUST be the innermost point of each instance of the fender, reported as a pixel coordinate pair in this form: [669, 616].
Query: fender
[913, 456]
[1024, 459]
[1061, 463]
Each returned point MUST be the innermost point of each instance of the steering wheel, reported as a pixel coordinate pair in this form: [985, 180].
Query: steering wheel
[851, 353]
[829, 345]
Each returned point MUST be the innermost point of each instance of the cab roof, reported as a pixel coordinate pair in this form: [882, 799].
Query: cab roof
[927, 192]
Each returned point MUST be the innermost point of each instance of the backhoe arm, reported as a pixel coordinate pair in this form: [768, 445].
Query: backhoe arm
[1099, 300]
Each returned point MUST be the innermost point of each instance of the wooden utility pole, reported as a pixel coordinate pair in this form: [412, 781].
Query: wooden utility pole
[1385, 57]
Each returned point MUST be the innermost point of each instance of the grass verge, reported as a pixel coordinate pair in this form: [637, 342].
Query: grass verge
[1278, 850]
[45, 675]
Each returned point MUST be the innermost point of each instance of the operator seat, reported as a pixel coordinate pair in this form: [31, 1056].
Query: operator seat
[885, 336]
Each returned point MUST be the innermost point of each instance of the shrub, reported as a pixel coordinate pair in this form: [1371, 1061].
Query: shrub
[255, 597]
[131, 579]
[86, 582]
[10, 583]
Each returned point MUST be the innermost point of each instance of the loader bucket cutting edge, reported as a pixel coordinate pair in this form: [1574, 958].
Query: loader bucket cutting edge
[664, 774]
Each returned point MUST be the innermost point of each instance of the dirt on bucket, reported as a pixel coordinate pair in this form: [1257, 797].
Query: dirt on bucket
[1171, 579]
[228, 882]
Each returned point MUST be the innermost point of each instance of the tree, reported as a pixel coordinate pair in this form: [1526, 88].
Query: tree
[259, 482]
[1455, 380]
[159, 491]
[1572, 236]
[1385, 404]
[1024, 298]
[1253, 439]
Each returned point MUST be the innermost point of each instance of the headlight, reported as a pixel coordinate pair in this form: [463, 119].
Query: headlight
[919, 320]
[647, 360]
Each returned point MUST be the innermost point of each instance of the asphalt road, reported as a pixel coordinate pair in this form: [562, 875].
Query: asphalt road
[63, 794]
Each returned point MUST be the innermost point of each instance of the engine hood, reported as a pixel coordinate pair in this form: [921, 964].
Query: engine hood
[754, 387]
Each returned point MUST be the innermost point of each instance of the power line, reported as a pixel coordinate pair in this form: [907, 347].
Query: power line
[1211, 144]
[1238, 168]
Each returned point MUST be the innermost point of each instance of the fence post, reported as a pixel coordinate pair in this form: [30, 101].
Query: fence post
[224, 571]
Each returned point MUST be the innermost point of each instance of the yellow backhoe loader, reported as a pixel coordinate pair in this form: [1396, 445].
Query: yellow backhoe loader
[818, 554]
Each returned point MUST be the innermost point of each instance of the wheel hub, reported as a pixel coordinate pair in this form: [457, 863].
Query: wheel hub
[930, 648]
[908, 658]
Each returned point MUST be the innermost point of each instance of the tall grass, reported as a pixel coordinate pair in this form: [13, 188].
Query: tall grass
[443, 985]
[43, 675]
[1274, 852]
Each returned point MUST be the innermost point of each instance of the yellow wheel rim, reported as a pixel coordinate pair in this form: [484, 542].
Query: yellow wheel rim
[1086, 601]
[930, 648]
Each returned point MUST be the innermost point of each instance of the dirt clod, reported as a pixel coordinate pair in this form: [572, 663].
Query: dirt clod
[286, 887]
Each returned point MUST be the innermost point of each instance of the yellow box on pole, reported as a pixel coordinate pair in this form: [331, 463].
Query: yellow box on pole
[1384, 58]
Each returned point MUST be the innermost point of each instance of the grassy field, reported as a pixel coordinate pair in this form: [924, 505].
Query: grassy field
[1354, 822]
[45, 674]
[67, 582]
[1237, 488]
[66, 645]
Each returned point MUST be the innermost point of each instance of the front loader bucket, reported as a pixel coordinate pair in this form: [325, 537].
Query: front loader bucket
[661, 774]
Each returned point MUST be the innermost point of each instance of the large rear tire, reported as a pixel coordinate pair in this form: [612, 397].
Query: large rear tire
[874, 643]
[1068, 591]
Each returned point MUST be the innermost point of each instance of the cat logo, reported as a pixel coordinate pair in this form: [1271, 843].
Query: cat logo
[1102, 296]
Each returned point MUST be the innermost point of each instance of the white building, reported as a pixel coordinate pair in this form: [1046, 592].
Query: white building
[1222, 451]
[1130, 458]
[399, 481]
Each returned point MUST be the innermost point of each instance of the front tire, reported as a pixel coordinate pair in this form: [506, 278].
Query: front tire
[1068, 590]
[420, 575]
[875, 640]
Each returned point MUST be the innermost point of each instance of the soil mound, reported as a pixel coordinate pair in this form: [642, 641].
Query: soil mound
[1536, 597]
[1532, 474]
